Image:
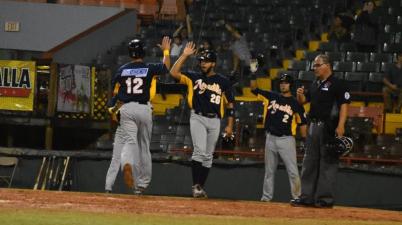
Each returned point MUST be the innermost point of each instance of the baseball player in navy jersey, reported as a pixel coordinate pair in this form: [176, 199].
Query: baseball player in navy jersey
[137, 85]
[280, 122]
[206, 93]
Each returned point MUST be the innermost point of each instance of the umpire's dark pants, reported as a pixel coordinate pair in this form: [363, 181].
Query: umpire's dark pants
[319, 168]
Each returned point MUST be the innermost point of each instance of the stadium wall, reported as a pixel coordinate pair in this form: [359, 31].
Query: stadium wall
[354, 188]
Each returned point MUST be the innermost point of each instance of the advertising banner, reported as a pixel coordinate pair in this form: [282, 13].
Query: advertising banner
[17, 85]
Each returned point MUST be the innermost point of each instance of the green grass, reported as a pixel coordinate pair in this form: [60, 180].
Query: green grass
[56, 217]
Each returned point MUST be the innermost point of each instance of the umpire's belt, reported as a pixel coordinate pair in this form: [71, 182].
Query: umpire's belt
[317, 121]
[209, 115]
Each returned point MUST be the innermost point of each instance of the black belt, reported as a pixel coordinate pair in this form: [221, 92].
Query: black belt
[277, 135]
[315, 120]
[209, 115]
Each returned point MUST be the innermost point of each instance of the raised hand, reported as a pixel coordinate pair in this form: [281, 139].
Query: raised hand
[189, 49]
[300, 90]
[165, 45]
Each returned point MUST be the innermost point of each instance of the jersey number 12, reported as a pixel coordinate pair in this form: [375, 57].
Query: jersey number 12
[134, 85]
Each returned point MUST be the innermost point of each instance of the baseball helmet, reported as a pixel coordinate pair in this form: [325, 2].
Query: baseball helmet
[207, 55]
[339, 146]
[286, 78]
[136, 48]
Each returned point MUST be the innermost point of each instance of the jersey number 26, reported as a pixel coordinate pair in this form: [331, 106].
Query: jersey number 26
[216, 99]
[134, 85]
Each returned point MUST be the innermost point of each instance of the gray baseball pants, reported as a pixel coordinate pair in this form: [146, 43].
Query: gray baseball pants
[319, 169]
[285, 147]
[205, 134]
[131, 144]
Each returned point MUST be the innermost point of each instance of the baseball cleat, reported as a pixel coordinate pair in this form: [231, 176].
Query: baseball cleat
[198, 192]
[138, 191]
[300, 202]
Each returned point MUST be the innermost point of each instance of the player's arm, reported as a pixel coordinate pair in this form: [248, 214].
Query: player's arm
[301, 120]
[189, 28]
[177, 31]
[303, 131]
[165, 47]
[253, 77]
[113, 105]
[343, 99]
[233, 31]
[389, 84]
[343, 114]
[230, 115]
[187, 51]
[300, 95]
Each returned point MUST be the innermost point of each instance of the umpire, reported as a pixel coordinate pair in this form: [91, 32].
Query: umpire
[329, 100]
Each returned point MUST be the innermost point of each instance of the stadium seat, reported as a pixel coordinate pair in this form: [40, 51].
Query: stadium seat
[336, 56]
[395, 150]
[375, 82]
[385, 66]
[367, 67]
[392, 47]
[347, 47]
[306, 76]
[310, 56]
[355, 80]
[339, 75]
[380, 57]
[299, 65]
[305, 79]
[356, 57]
[327, 46]
[344, 66]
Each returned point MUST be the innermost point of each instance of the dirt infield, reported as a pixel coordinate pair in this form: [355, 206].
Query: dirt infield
[110, 203]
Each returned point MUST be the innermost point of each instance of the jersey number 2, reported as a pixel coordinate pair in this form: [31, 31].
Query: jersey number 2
[136, 84]
[285, 118]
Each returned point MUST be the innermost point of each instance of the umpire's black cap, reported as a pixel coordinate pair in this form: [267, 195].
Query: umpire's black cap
[208, 56]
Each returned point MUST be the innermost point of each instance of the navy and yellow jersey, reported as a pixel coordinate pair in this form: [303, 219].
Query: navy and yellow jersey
[137, 81]
[283, 113]
[326, 97]
[207, 94]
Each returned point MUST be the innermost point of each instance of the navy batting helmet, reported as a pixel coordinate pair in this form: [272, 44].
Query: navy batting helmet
[339, 146]
[207, 55]
[286, 78]
[136, 49]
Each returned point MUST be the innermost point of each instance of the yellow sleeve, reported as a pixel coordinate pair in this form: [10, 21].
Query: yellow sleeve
[190, 92]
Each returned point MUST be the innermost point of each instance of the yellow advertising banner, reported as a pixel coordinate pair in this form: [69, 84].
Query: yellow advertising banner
[17, 85]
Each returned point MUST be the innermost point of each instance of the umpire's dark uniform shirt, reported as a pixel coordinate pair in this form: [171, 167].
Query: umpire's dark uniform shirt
[326, 97]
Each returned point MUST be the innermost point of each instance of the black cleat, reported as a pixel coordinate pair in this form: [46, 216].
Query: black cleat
[300, 202]
[323, 204]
